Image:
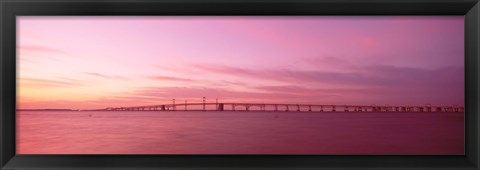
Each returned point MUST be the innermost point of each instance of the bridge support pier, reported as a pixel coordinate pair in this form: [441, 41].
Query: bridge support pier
[220, 107]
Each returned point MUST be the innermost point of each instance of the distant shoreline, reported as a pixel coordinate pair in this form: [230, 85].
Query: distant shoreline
[47, 110]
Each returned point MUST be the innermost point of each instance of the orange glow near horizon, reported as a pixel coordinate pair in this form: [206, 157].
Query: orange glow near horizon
[98, 62]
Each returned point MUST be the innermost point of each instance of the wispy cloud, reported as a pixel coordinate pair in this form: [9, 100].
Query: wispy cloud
[49, 83]
[377, 75]
[224, 69]
[174, 69]
[298, 90]
[392, 84]
[169, 78]
[330, 62]
[105, 76]
[38, 48]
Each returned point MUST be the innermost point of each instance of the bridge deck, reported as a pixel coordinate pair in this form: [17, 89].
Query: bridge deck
[287, 107]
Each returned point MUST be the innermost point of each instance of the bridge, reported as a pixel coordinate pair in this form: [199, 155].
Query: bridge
[204, 106]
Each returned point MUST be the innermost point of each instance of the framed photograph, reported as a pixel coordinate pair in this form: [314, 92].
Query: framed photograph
[239, 84]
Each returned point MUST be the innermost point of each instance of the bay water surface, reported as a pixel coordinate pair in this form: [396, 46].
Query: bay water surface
[236, 132]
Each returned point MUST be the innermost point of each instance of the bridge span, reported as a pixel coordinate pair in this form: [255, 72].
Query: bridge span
[285, 107]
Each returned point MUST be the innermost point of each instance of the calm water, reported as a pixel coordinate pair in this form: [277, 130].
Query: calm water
[179, 132]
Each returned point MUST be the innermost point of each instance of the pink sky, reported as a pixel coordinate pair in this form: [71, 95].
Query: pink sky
[97, 62]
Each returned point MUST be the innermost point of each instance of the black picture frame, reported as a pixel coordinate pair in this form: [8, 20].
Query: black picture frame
[9, 9]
